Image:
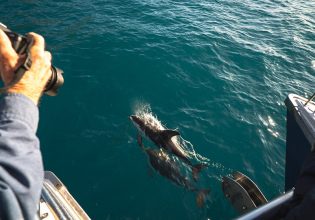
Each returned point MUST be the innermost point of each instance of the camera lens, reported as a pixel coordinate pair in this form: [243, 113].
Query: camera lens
[55, 82]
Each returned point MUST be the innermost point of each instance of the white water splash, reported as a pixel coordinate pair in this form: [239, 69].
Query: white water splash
[145, 111]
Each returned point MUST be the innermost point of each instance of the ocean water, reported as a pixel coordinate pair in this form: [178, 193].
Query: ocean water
[216, 71]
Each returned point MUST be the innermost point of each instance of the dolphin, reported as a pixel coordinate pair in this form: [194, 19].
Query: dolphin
[167, 168]
[162, 139]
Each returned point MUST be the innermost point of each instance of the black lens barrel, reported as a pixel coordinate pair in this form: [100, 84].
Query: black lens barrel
[55, 82]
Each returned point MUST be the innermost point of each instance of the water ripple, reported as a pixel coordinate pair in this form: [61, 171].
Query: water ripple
[218, 71]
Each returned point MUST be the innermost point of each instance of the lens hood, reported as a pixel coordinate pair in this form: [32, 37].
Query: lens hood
[55, 82]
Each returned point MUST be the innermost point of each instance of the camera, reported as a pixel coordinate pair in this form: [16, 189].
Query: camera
[21, 44]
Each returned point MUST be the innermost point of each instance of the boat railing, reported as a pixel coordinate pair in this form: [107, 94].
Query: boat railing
[268, 210]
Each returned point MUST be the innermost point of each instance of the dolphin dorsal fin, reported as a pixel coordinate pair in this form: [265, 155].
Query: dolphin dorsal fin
[170, 133]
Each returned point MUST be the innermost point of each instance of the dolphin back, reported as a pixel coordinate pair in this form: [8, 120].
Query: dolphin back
[168, 134]
[167, 168]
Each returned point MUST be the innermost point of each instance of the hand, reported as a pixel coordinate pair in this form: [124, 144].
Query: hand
[35, 79]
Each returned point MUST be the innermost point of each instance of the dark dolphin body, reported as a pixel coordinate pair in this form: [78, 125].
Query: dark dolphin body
[163, 139]
[167, 168]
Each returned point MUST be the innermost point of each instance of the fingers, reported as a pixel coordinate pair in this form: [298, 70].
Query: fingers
[5, 44]
[7, 53]
[9, 59]
[38, 41]
[48, 58]
[38, 48]
[41, 58]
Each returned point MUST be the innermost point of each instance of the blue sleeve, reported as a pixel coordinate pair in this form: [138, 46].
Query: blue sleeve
[21, 167]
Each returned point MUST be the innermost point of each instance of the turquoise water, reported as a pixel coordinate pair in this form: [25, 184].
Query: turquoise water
[217, 71]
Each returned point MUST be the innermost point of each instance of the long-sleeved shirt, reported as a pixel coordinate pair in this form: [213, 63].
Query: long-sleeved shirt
[21, 166]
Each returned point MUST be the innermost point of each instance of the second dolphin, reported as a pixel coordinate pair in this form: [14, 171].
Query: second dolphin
[162, 139]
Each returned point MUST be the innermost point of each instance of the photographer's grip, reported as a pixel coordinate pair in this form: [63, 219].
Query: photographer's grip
[22, 45]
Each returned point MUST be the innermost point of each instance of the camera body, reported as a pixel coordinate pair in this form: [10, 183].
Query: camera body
[20, 44]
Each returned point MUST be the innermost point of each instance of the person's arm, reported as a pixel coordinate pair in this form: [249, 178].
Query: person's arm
[21, 167]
